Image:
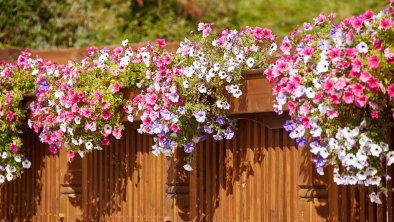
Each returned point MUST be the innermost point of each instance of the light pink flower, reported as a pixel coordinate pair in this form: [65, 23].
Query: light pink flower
[348, 97]
[116, 133]
[285, 47]
[361, 101]
[332, 113]
[90, 126]
[116, 87]
[304, 109]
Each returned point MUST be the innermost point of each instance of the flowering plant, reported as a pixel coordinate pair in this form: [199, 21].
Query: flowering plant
[184, 97]
[337, 83]
[78, 104]
[12, 116]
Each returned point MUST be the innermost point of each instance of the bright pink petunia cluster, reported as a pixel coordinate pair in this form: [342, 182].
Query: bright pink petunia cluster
[337, 83]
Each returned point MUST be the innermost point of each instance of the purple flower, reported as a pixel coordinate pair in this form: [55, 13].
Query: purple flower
[166, 114]
[166, 143]
[333, 30]
[208, 129]
[300, 47]
[44, 86]
[288, 126]
[202, 138]
[301, 141]
[200, 116]
[181, 110]
[32, 106]
[298, 120]
[319, 163]
[217, 137]
[173, 97]
[220, 120]
[188, 147]
[228, 134]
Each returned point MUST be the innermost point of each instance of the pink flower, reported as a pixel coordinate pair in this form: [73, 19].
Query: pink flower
[318, 97]
[105, 142]
[390, 91]
[10, 115]
[368, 15]
[174, 127]
[334, 98]
[377, 45]
[334, 53]
[385, 24]
[106, 114]
[116, 87]
[374, 114]
[70, 155]
[320, 19]
[348, 97]
[285, 47]
[304, 109]
[361, 101]
[357, 22]
[307, 26]
[373, 83]
[86, 112]
[90, 126]
[357, 89]
[305, 122]
[308, 52]
[116, 133]
[365, 76]
[97, 95]
[105, 105]
[332, 113]
[151, 99]
[328, 86]
[161, 43]
[291, 106]
[373, 61]
[13, 148]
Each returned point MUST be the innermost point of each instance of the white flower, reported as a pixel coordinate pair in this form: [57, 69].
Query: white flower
[375, 198]
[316, 83]
[250, 62]
[2, 179]
[125, 42]
[322, 66]
[63, 127]
[362, 47]
[202, 89]
[240, 58]
[34, 72]
[361, 156]
[273, 48]
[230, 68]
[390, 158]
[222, 75]
[323, 108]
[370, 171]
[228, 79]
[81, 153]
[10, 176]
[77, 120]
[107, 129]
[4, 155]
[185, 84]
[237, 93]
[146, 58]
[124, 61]
[375, 150]
[216, 67]
[316, 131]
[361, 175]
[70, 131]
[26, 164]
[375, 180]
[17, 158]
[187, 167]
[310, 93]
[351, 180]
[104, 57]
[88, 145]
[300, 90]
[350, 160]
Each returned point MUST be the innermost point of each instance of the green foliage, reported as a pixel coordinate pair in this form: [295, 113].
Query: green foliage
[74, 23]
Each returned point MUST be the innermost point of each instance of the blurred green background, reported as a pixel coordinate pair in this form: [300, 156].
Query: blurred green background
[74, 23]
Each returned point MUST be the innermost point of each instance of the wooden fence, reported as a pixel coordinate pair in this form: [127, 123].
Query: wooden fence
[259, 175]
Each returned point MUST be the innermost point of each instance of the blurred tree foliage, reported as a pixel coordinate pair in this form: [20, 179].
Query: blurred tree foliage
[73, 23]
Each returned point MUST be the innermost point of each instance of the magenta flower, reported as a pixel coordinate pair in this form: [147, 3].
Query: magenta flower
[390, 91]
[385, 24]
[116, 87]
[348, 97]
[13, 148]
[106, 114]
[10, 115]
[373, 61]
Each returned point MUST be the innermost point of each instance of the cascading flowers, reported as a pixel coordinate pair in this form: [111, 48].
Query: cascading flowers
[78, 104]
[13, 115]
[337, 83]
[185, 95]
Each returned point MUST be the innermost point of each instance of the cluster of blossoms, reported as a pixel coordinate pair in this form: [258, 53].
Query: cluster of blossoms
[213, 63]
[337, 83]
[12, 116]
[77, 104]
